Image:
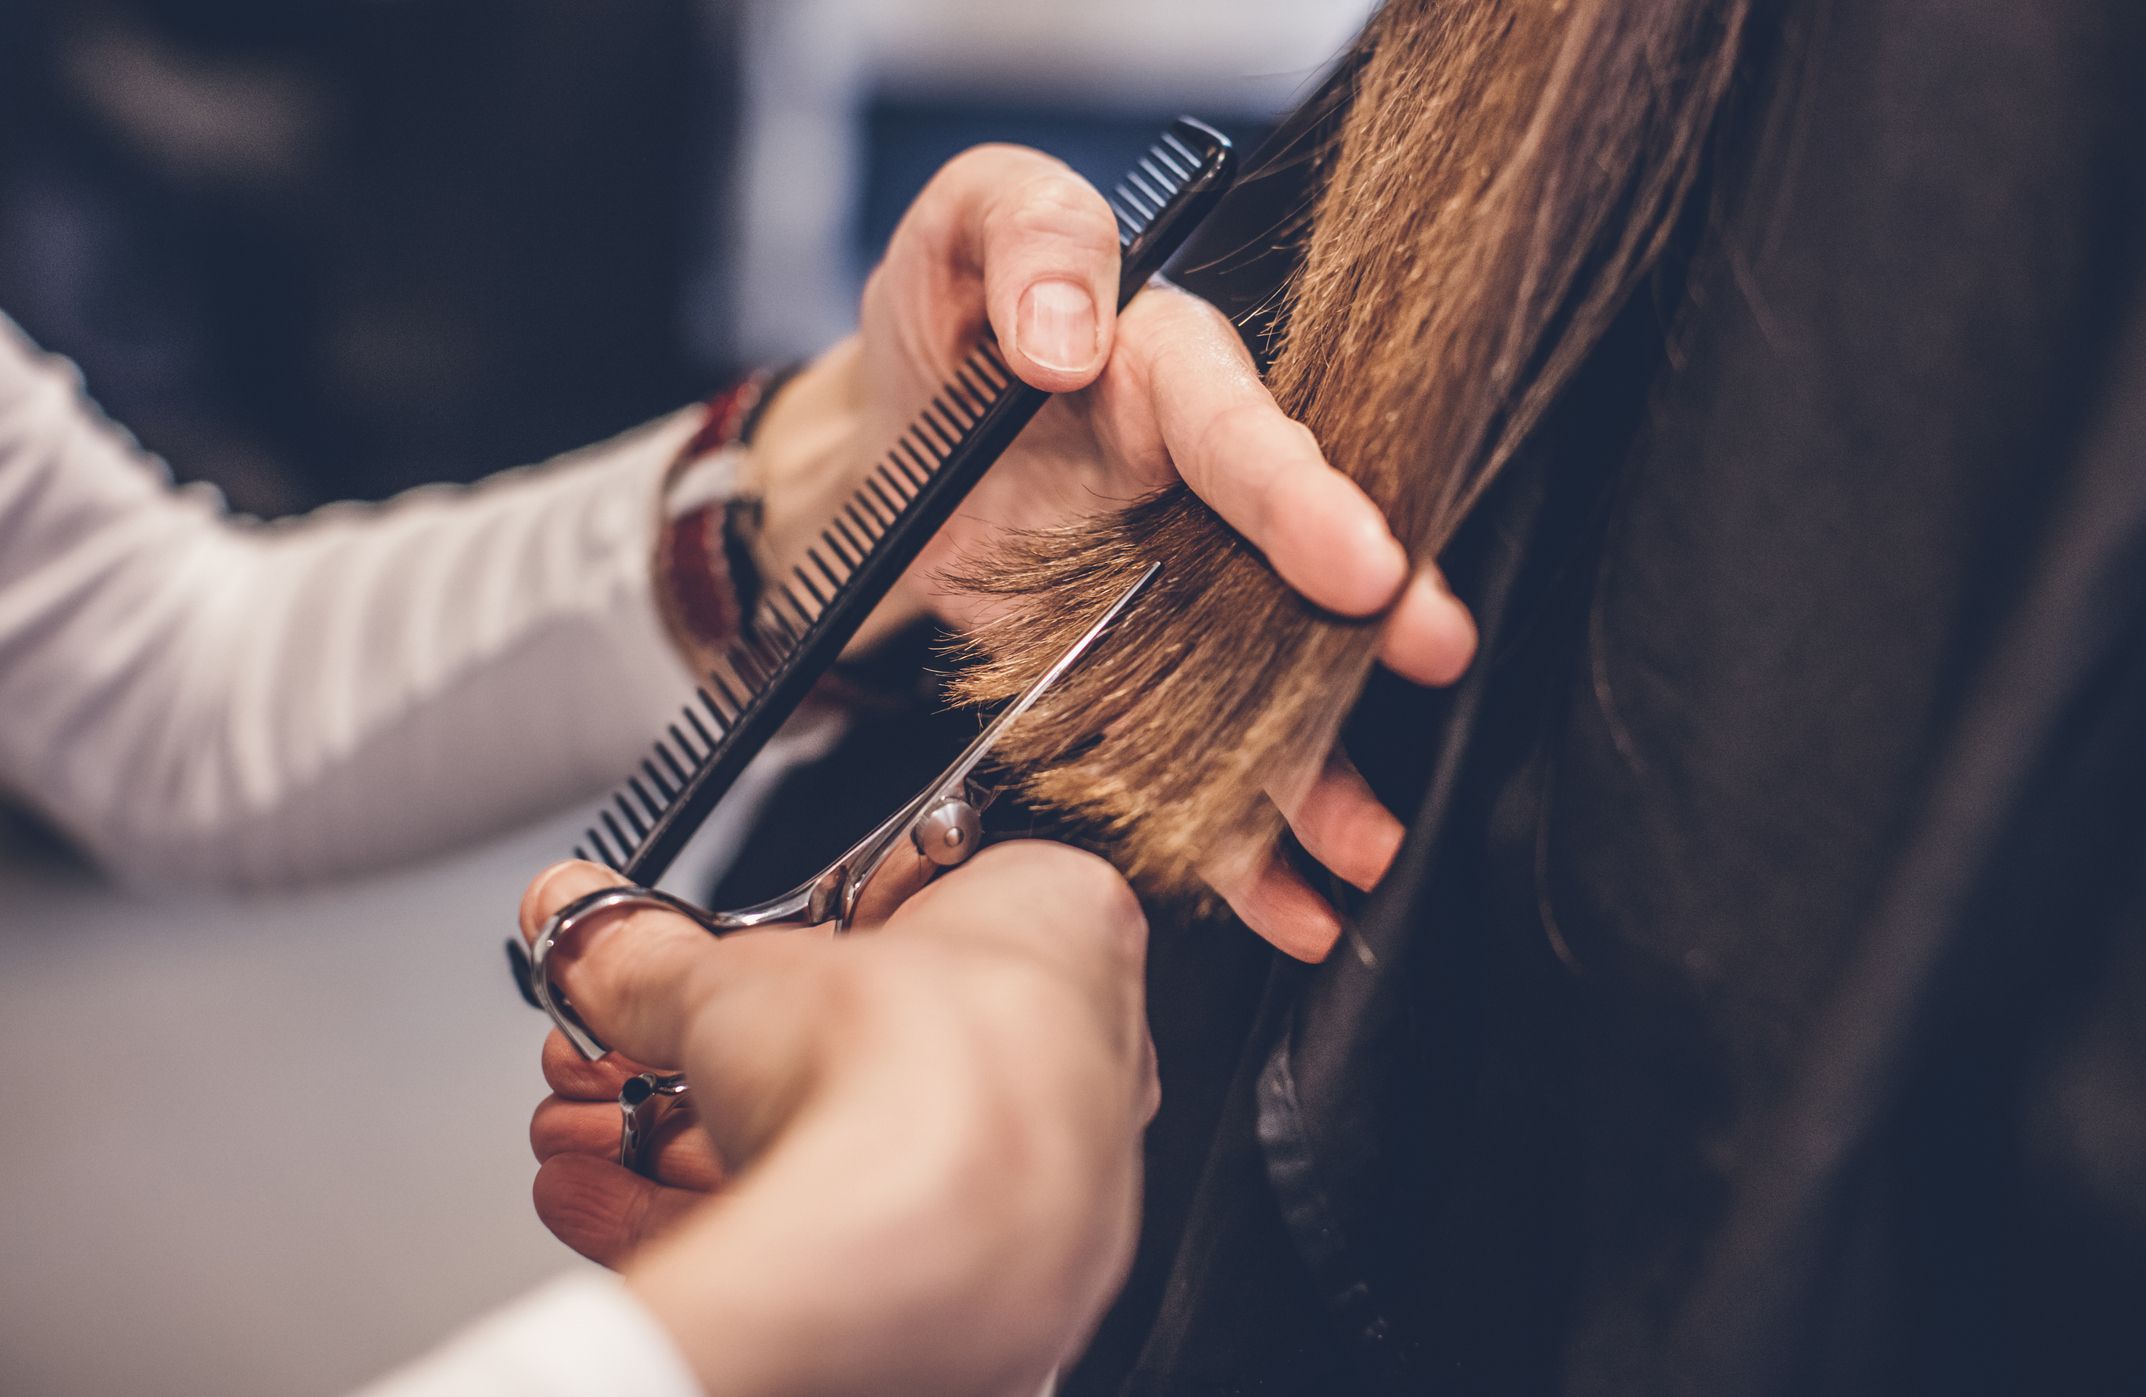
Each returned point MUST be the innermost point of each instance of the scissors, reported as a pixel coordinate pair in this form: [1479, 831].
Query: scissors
[941, 827]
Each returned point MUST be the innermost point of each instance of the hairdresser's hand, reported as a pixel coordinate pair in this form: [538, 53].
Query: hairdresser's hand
[932, 1129]
[1013, 239]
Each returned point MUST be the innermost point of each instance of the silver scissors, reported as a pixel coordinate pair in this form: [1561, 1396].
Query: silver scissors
[941, 827]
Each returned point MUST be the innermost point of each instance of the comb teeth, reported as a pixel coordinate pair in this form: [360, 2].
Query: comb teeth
[1151, 185]
[783, 620]
[799, 623]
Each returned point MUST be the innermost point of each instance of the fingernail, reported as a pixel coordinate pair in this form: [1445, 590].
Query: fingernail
[1056, 326]
[1458, 625]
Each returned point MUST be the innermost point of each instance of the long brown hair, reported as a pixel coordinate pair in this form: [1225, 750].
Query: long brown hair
[1505, 173]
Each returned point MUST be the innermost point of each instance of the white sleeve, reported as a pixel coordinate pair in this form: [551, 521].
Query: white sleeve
[201, 698]
[582, 1336]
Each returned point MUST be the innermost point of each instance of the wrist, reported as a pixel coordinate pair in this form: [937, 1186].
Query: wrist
[807, 453]
[815, 444]
[698, 1285]
[806, 1279]
[774, 462]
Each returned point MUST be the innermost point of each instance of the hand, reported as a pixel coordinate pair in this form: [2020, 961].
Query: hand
[931, 1130]
[1014, 240]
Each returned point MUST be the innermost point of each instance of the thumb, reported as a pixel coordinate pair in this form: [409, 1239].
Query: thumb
[634, 974]
[1042, 242]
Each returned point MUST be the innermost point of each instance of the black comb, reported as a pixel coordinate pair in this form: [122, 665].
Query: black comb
[802, 621]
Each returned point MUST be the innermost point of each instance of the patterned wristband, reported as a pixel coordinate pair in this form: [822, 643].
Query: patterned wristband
[707, 582]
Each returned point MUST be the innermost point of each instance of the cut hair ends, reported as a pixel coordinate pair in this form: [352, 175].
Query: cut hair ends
[1504, 174]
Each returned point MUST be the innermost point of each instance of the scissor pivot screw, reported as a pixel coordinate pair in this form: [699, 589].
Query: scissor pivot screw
[949, 832]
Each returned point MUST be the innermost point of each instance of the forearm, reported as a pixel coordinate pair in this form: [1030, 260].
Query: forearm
[217, 701]
[809, 454]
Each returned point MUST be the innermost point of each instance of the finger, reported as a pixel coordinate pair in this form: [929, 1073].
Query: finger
[1430, 637]
[1043, 243]
[634, 975]
[682, 1156]
[1344, 826]
[1275, 902]
[576, 1078]
[1075, 913]
[1260, 470]
[1150, 1082]
[555, 887]
[602, 1210]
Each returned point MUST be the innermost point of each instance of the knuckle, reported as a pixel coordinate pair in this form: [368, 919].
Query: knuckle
[1240, 440]
[1056, 206]
[572, 1076]
[1235, 427]
[1175, 317]
[1107, 889]
[554, 1130]
[1089, 882]
[631, 953]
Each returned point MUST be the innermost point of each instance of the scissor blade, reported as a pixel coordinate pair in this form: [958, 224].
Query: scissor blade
[1075, 653]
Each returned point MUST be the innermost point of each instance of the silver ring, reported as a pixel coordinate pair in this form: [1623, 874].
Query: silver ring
[643, 1103]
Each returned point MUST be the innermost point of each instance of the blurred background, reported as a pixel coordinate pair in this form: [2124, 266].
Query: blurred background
[323, 249]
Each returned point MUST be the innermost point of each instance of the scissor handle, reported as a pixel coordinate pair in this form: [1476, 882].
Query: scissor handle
[940, 828]
[569, 919]
[642, 1105]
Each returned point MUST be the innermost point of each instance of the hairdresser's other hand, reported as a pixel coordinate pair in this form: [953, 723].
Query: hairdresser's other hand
[932, 1129]
[1013, 239]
